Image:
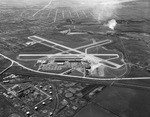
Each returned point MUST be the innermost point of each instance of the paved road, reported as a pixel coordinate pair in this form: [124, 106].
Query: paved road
[78, 77]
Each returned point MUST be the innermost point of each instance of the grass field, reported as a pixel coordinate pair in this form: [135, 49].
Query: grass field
[4, 63]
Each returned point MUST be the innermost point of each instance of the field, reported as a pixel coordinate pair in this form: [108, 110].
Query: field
[4, 64]
[128, 44]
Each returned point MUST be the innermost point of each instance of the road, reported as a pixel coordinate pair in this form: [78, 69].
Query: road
[70, 13]
[84, 13]
[55, 18]
[63, 14]
[43, 8]
[49, 13]
[77, 14]
[7, 68]
[78, 77]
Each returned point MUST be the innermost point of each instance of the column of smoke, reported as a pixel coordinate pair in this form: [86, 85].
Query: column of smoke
[111, 24]
[104, 10]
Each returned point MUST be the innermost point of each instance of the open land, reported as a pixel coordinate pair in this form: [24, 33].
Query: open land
[28, 34]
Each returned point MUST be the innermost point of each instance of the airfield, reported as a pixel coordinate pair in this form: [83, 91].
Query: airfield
[117, 68]
[114, 60]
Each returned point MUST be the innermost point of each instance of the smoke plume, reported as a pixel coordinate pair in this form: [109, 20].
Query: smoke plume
[111, 24]
[104, 9]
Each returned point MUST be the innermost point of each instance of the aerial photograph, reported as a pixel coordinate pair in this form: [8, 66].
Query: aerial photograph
[74, 58]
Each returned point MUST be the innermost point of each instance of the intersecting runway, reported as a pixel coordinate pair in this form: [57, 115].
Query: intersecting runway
[65, 49]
